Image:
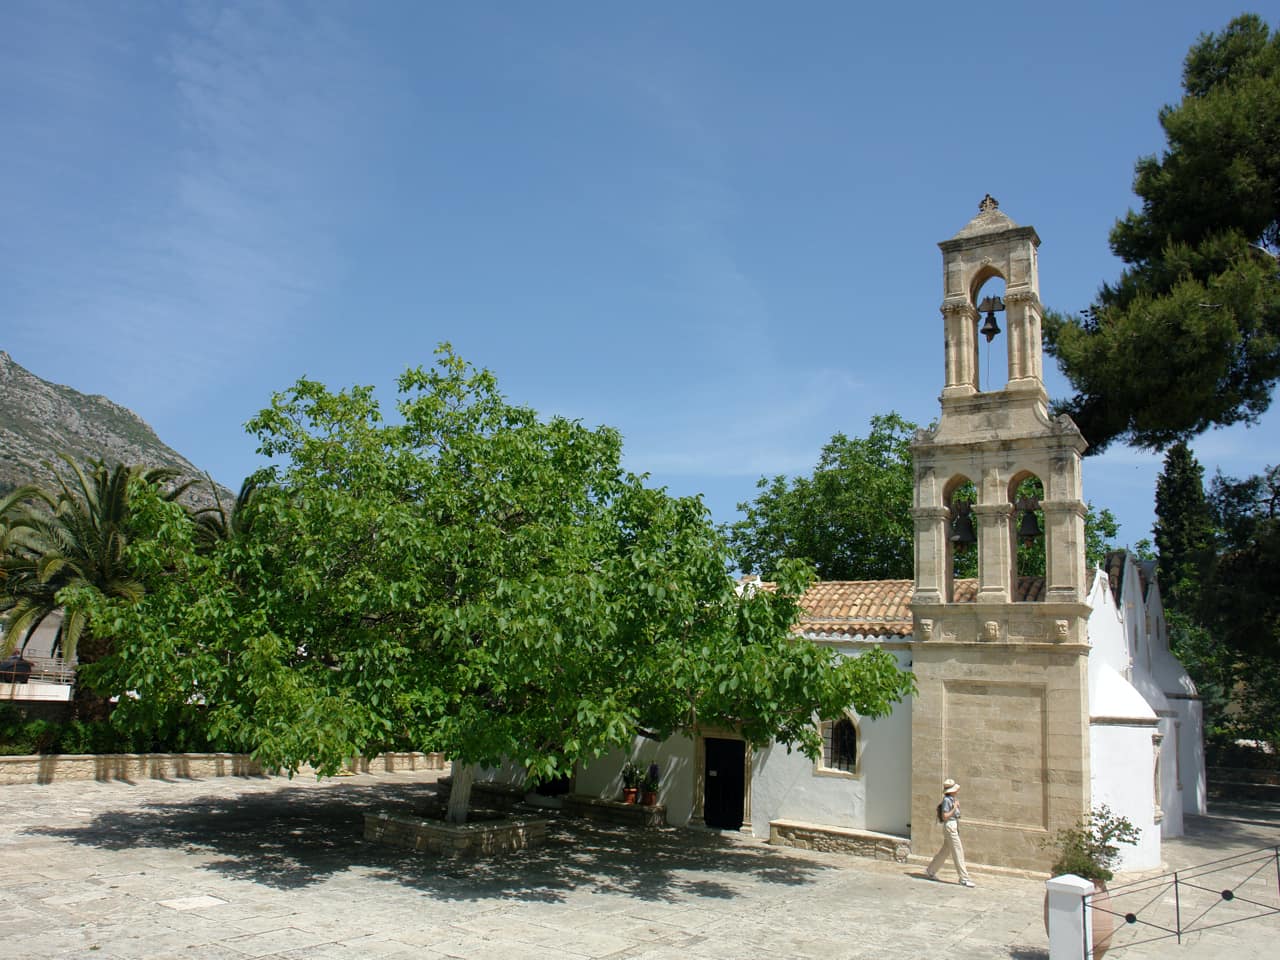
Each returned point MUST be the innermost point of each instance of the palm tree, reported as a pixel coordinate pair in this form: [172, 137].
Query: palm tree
[216, 524]
[78, 539]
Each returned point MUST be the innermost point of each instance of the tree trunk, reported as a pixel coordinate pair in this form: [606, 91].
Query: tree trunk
[460, 792]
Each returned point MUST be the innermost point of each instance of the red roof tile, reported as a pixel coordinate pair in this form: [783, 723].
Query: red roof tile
[880, 608]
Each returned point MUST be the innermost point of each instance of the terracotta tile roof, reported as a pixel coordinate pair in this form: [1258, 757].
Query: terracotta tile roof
[870, 607]
[879, 608]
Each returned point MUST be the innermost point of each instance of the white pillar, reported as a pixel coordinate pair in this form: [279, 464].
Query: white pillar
[1070, 924]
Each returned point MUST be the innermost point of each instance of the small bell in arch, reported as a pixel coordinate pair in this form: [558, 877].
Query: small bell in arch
[990, 305]
[1028, 526]
[962, 534]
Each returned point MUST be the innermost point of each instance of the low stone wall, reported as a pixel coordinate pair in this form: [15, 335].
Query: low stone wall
[613, 811]
[862, 843]
[46, 768]
[479, 838]
[398, 763]
[1243, 783]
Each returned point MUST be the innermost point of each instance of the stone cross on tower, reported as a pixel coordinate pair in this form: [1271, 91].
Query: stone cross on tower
[1000, 664]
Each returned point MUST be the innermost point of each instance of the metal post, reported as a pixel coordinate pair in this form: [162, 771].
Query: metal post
[1177, 907]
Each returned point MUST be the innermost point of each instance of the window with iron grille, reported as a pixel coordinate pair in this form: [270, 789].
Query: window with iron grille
[840, 745]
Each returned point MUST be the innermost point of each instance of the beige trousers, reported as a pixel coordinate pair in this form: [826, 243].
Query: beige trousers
[950, 845]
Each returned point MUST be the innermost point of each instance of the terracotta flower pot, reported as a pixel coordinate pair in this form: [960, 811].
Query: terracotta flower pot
[629, 794]
[650, 798]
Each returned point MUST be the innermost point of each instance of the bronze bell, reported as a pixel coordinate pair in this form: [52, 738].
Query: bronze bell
[962, 534]
[1028, 526]
[989, 326]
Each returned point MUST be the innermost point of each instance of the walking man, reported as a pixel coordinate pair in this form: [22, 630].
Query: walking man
[949, 815]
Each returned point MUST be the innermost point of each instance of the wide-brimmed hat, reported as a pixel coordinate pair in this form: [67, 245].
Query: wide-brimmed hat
[950, 786]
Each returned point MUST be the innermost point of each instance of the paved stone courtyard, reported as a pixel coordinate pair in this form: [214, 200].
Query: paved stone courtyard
[266, 867]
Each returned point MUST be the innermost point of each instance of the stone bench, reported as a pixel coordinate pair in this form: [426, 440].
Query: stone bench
[829, 839]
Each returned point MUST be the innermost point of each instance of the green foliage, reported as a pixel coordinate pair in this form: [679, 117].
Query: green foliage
[1091, 847]
[20, 736]
[80, 540]
[1189, 337]
[851, 519]
[631, 775]
[1183, 528]
[1241, 601]
[471, 579]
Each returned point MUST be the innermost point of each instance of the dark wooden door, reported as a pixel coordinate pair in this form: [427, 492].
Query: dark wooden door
[723, 783]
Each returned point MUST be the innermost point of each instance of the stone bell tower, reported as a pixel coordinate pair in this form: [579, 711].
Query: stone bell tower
[1001, 665]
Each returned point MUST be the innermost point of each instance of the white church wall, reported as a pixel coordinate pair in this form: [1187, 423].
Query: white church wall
[675, 759]
[1188, 712]
[1122, 756]
[1118, 782]
[876, 797]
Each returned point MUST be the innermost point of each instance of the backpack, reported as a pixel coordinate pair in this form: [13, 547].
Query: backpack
[940, 820]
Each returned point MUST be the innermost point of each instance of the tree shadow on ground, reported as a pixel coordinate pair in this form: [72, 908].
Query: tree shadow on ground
[293, 837]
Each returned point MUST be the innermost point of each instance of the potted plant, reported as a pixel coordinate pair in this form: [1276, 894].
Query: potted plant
[631, 778]
[1089, 849]
[649, 786]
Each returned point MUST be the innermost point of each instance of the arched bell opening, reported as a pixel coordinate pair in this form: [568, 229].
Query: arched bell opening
[959, 496]
[1027, 534]
[991, 344]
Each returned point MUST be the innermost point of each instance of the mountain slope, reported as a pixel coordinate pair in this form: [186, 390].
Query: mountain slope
[39, 420]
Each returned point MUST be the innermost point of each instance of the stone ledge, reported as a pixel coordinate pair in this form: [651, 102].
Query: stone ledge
[829, 839]
[614, 811]
[46, 768]
[477, 838]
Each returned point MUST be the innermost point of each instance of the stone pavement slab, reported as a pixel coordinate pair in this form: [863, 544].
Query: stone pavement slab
[267, 867]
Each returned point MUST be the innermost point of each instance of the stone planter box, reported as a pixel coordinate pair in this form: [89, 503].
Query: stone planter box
[616, 812]
[481, 838]
[815, 836]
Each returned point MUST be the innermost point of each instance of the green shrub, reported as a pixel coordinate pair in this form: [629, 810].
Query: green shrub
[1091, 847]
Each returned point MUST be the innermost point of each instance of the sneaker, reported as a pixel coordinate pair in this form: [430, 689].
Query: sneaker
[967, 883]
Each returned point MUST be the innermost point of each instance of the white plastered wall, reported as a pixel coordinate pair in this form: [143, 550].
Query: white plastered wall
[878, 797]
[1122, 724]
[674, 757]
[1184, 700]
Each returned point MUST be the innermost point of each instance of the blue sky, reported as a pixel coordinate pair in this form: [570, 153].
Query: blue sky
[711, 225]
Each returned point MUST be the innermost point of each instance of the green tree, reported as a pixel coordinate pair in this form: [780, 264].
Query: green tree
[1242, 597]
[471, 579]
[1189, 336]
[1240, 601]
[1183, 529]
[851, 519]
[76, 537]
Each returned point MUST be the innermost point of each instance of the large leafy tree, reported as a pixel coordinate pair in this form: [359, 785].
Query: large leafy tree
[851, 518]
[471, 579]
[1188, 337]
